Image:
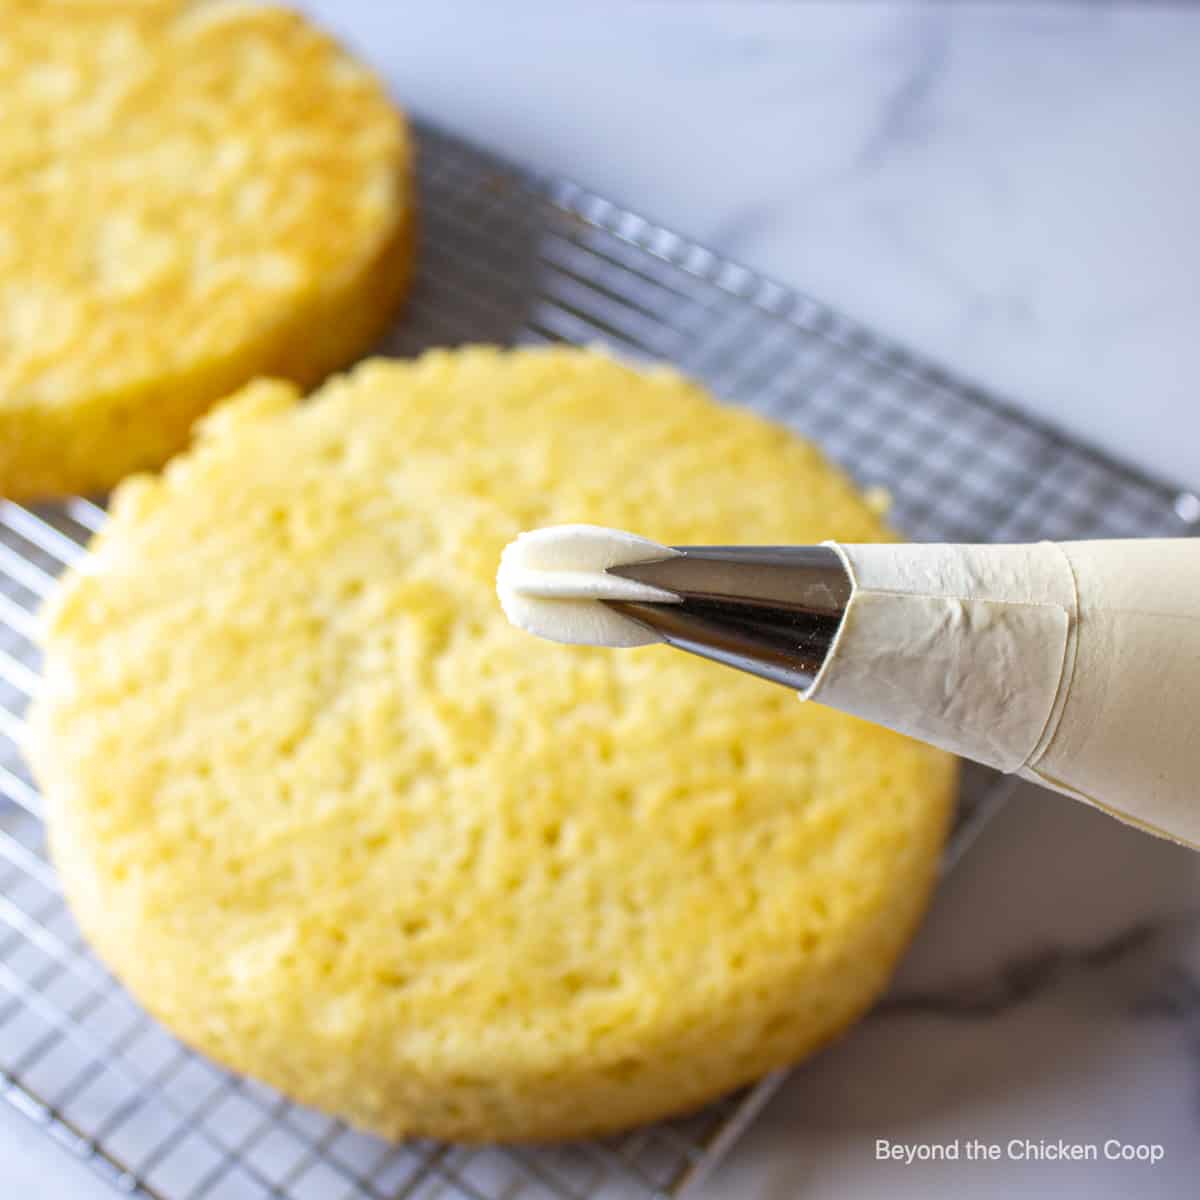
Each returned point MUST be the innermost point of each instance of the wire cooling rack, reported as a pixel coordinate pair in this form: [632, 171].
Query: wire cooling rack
[507, 256]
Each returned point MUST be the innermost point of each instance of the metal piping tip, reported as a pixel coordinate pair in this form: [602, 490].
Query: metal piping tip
[772, 611]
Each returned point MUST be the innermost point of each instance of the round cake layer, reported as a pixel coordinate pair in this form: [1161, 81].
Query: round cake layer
[189, 196]
[342, 827]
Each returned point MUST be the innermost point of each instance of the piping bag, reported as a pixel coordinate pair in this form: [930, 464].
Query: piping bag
[1072, 664]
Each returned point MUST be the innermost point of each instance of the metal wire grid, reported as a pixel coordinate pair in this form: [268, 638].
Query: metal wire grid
[508, 257]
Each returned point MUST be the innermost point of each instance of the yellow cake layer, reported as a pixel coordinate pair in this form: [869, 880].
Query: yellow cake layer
[189, 196]
[341, 827]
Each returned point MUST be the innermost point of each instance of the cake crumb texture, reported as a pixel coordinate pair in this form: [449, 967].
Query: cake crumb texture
[190, 195]
[341, 827]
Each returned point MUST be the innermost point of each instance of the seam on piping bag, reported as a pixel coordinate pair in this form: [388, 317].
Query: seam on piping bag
[1066, 676]
[1048, 781]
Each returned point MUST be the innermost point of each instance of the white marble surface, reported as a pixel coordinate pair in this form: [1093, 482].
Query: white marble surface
[1013, 190]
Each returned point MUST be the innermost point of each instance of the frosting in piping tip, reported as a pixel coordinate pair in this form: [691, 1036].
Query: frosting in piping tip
[553, 582]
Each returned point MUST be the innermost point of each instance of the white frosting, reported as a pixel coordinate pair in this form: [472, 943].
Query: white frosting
[552, 583]
[1076, 665]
